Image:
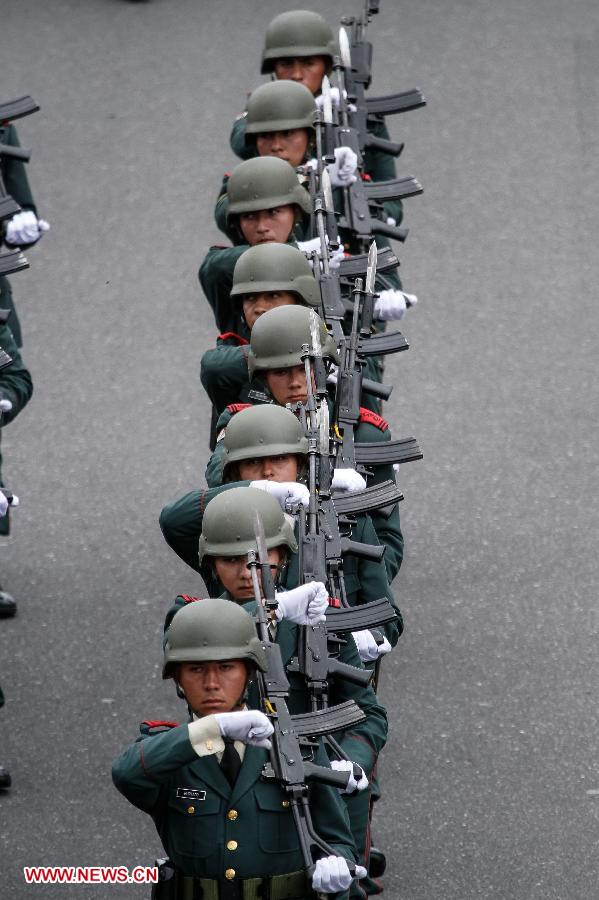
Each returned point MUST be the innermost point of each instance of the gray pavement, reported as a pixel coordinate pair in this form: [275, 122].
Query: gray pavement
[491, 765]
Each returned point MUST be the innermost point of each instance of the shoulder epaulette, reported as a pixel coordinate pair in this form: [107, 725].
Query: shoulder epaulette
[187, 599]
[230, 335]
[372, 418]
[237, 407]
[156, 726]
[366, 177]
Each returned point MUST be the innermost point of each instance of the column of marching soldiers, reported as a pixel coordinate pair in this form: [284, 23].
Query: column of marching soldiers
[268, 789]
[20, 228]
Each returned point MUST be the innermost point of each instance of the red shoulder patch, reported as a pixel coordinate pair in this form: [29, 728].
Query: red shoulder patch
[237, 407]
[366, 177]
[230, 335]
[187, 599]
[372, 418]
[156, 723]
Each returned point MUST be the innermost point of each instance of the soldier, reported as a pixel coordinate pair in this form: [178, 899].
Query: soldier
[264, 447]
[16, 388]
[227, 536]
[277, 374]
[227, 832]
[24, 229]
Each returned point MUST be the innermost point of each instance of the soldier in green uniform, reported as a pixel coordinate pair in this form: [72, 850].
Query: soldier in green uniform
[227, 832]
[227, 536]
[16, 388]
[277, 375]
[265, 447]
[24, 229]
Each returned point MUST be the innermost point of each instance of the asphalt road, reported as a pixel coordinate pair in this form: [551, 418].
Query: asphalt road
[490, 776]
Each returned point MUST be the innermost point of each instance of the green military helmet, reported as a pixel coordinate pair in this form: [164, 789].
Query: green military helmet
[259, 431]
[263, 183]
[299, 32]
[211, 630]
[280, 106]
[228, 524]
[275, 267]
[279, 335]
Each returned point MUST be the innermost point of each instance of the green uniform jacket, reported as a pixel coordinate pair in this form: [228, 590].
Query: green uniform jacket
[365, 580]
[371, 429]
[157, 769]
[15, 385]
[14, 175]
[379, 165]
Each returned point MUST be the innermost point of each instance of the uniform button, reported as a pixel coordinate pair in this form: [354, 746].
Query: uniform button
[231, 845]
[191, 810]
[232, 815]
[285, 804]
[230, 874]
[208, 745]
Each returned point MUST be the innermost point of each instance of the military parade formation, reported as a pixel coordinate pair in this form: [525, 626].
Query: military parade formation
[268, 788]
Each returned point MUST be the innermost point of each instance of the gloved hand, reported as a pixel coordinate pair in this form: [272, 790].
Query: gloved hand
[335, 257]
[347, 480]
[25, 228]
[248, 725]
[304, 605]
[343, 171]
[346, 765]
[334, 93]
[391, 305]
[287, 493]
[391, 221]
[333, 374]
[5, 404]
[311, 246]
[368, 648]
[331, 874]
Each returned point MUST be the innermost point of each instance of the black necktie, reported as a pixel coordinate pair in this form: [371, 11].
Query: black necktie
[230, 762]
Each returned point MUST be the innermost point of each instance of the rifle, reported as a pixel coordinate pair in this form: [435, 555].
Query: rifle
[14, 109]
[11, 262]
[357, 198]
[358, 77]
[292, 733]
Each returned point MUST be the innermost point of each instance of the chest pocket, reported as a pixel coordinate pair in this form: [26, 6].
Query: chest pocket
[276, 829]
[194, 826]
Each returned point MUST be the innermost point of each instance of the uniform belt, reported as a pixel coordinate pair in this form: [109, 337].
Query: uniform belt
[292, 886]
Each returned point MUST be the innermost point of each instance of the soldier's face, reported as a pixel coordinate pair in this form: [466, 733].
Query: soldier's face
[255, 305]
[291, 145]
[236, 578]
[309, 70]
[269, 468]
[268, 226]
[213, 687]
[287, 385]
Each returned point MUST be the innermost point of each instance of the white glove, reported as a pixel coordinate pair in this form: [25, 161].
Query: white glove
[391, 221]
[333, 374]
[311, 246]
[5, 405]
[25, 228]
[347, 480]
[343, 171]
[346, 765]
[304, 605]
[391, 305]
[335, 257]
[287, 493]
[331, 874]
[334, 92]
[248, 725]
[368, 648]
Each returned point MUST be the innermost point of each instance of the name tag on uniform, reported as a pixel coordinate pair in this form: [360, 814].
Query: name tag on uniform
[190, 794]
